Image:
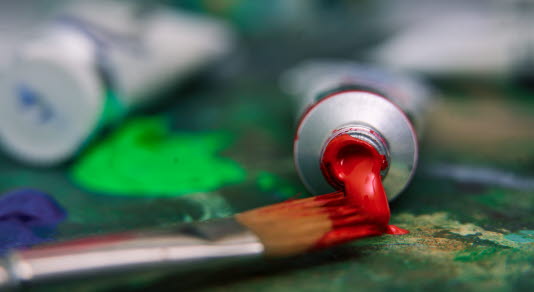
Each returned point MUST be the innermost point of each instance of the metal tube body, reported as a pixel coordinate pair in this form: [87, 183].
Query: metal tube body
[187, 245]
[381, 108]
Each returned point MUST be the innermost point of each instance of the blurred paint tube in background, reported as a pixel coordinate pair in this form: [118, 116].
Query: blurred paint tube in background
[92, 64]
[16, 19]
[474, 38]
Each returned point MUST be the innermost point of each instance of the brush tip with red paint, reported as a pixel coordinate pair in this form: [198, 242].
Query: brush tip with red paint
[297, 226]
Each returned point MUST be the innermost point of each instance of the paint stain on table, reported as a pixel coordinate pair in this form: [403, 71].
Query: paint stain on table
[523, 236]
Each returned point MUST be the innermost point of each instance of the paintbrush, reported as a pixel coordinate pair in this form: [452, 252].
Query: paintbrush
[284, 229]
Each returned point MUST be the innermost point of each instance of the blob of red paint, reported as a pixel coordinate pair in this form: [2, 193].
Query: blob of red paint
[354, 166]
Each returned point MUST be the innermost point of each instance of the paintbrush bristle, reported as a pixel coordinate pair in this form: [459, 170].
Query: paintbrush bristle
[297, 226]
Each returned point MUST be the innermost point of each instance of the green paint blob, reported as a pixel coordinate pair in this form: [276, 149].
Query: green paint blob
[144, 158]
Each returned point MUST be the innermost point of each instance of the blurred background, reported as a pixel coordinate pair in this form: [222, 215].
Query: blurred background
[118, 109]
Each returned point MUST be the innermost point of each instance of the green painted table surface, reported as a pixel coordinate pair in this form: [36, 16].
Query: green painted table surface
[472, 232]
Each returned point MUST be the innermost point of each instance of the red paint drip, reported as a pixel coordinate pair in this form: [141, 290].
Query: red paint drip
[355, 165]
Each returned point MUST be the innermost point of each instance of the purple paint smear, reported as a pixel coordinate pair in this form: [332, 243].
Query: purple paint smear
[27, 217]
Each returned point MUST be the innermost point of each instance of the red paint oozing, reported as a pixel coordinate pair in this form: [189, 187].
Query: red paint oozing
[354, 165]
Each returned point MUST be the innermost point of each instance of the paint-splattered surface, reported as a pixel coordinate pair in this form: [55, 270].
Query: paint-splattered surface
[470, 229]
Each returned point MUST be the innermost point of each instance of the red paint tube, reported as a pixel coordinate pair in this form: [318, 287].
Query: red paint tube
[383, 109]
[356, 134]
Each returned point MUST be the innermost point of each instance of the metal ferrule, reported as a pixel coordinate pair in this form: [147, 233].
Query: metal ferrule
[190, 246]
